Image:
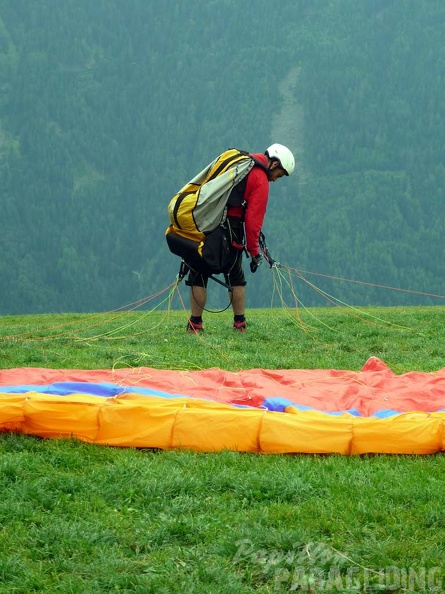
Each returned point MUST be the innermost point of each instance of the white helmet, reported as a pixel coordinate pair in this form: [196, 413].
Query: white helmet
[282, 154]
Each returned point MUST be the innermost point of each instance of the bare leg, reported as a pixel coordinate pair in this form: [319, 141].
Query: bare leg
[239, 300]
[198, 296]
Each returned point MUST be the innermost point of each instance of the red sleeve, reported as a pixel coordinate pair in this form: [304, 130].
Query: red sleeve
[256, 196]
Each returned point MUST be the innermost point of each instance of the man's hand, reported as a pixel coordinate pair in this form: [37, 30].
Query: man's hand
[256, 262]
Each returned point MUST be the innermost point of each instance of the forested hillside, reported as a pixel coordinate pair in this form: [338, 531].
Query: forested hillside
[107, 107]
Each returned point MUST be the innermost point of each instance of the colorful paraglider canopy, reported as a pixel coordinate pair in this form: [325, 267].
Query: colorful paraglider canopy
[258, 410]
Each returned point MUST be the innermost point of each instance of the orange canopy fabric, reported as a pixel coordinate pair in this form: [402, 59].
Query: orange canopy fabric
[258, 410]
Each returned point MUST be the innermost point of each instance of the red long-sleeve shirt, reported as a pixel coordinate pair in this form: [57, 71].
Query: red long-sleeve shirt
[256, 197]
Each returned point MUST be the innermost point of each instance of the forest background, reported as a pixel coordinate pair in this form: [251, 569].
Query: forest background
[108, 107]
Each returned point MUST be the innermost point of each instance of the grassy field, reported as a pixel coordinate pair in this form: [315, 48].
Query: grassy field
[77, 518]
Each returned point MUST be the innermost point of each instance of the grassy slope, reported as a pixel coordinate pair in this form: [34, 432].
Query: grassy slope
[78, 518]
[341, 338]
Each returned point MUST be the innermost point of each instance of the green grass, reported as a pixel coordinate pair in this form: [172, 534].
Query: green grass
[342, 338]
[77, 518]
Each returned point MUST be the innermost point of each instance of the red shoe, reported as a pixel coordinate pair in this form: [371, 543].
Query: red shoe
[239, 326]
[194, 327]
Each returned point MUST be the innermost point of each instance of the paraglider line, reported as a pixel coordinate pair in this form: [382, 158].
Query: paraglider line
[358, 282]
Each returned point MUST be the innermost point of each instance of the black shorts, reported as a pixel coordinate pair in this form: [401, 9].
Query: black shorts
[234, 276]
